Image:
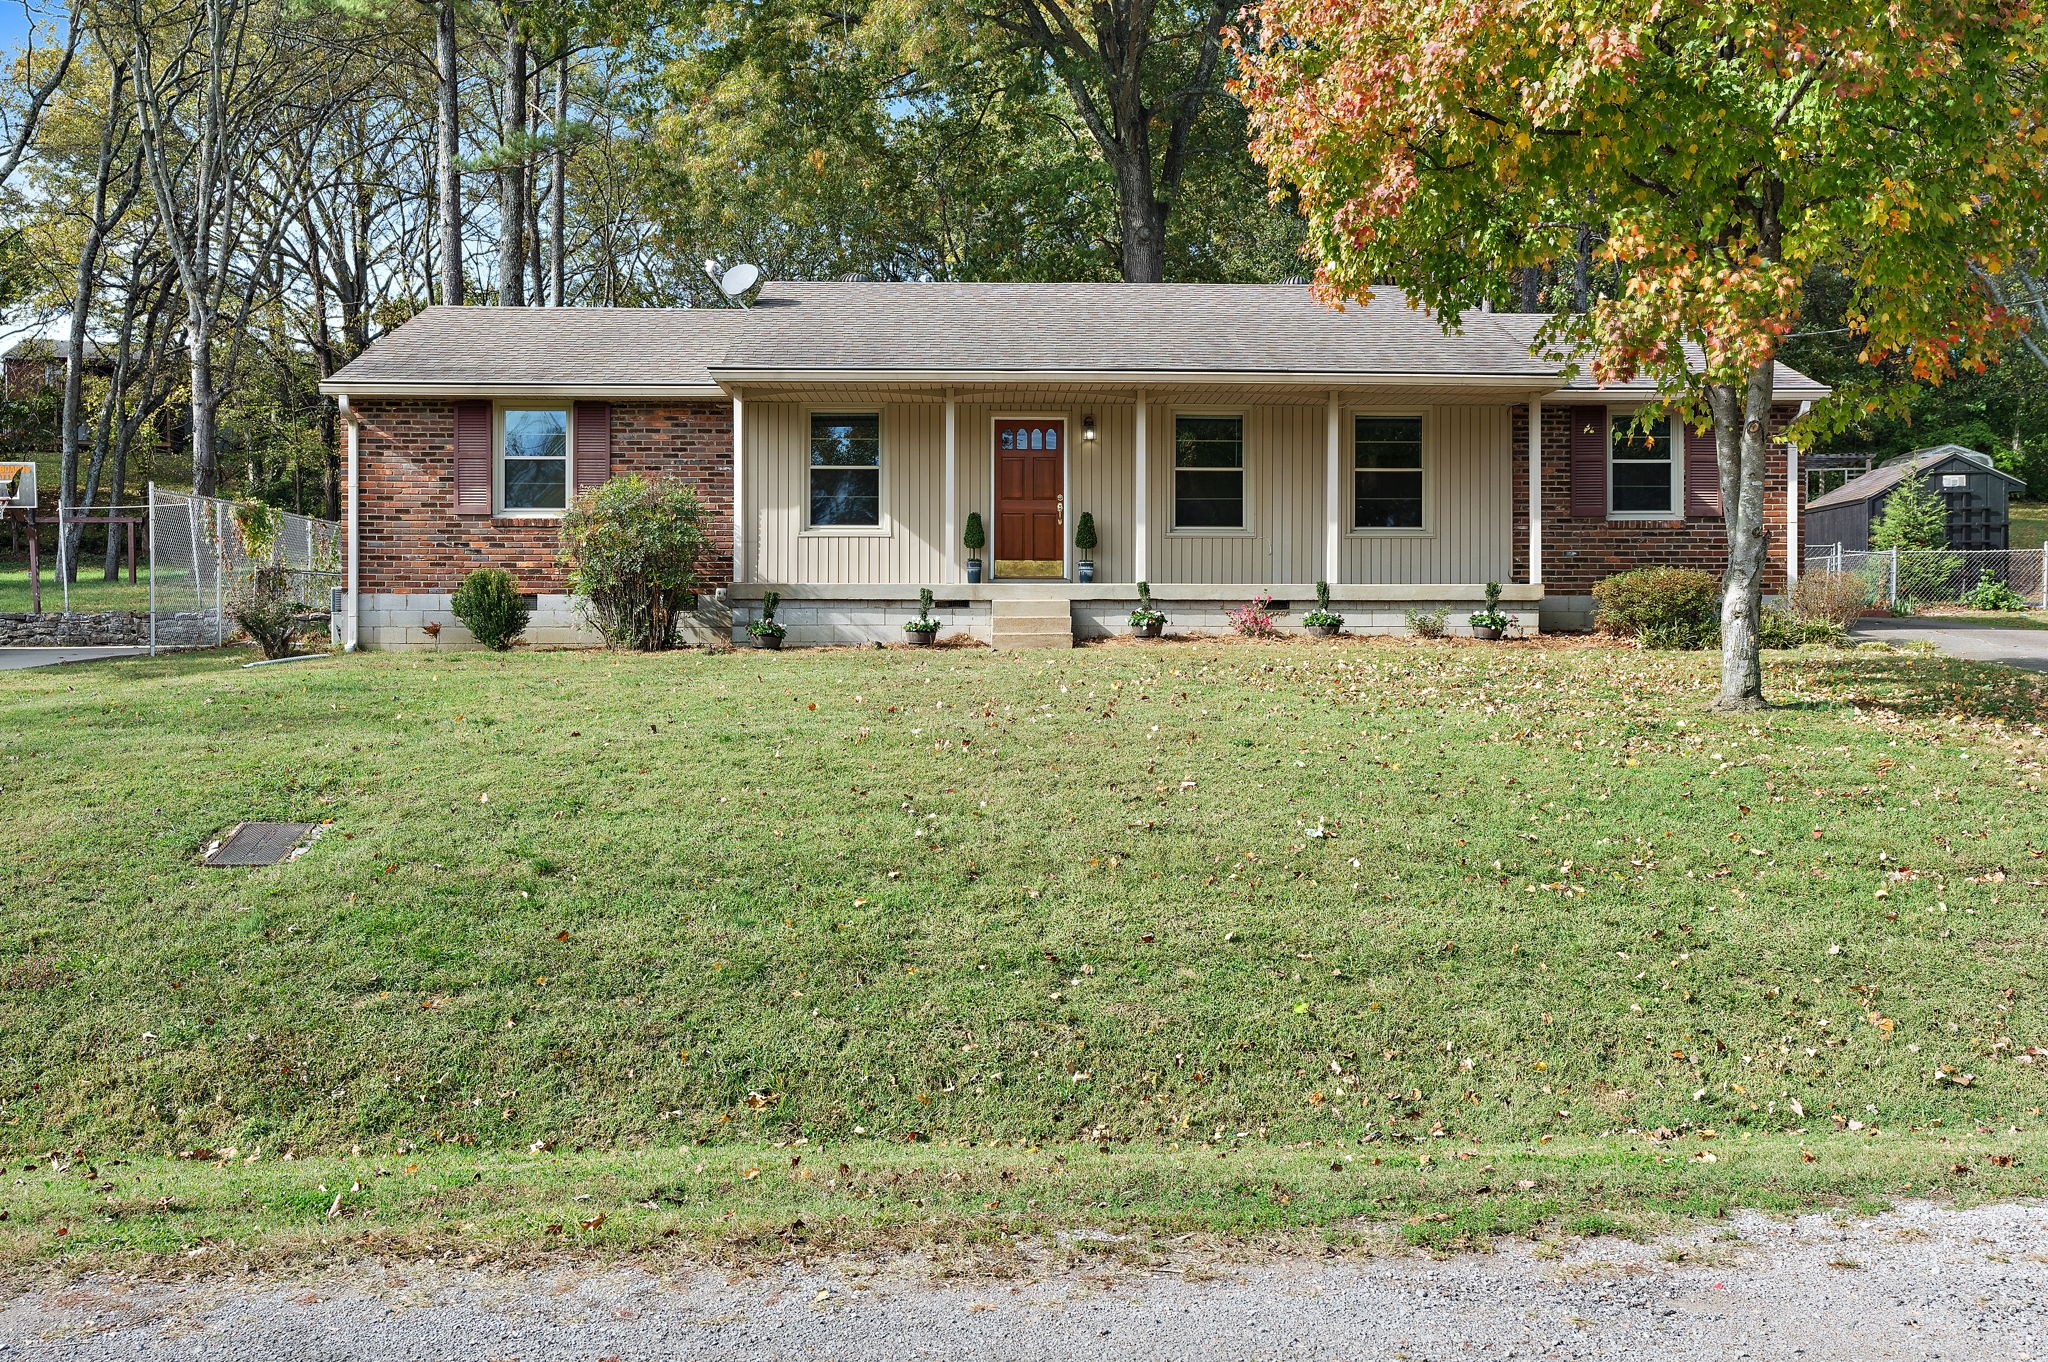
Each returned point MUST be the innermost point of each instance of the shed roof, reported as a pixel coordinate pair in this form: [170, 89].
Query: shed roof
[945, 332]
[1881, 480]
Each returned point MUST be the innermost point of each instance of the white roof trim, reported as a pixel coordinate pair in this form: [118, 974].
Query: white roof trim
[386, 388]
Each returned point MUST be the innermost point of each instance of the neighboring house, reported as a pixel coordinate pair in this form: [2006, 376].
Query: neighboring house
[1229, 440]
[1978, 495]
[32, 367]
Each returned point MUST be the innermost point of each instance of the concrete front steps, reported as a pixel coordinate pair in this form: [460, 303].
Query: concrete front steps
[1031, 622]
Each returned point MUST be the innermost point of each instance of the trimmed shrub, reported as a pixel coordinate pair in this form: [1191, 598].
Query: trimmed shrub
[1782, 628]
[633, 548]
[488, 604]
[1663, 607]
[1837, 598]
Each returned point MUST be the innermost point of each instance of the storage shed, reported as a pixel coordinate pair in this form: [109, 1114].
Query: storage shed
[1978, 497]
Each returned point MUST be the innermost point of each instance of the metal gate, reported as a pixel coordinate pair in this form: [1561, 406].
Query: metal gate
[199, 557]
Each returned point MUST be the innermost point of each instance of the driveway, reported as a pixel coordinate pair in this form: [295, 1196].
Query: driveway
[1917, 1282]
[2015, 647]
[15, 659]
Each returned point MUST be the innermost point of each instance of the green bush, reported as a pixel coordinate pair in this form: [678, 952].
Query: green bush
[1782, 628]
[1992, 594]
[634, 548]
[489, 606]
[1663, 607]
[262, 607]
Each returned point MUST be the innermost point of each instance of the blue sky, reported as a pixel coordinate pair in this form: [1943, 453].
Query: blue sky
[13, 24]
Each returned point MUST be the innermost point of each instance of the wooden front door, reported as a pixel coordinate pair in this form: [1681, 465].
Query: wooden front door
[1031, 482]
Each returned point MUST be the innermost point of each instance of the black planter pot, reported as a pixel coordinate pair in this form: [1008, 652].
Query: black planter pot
[1324, 630]
[1146, 630]
[1085, 570]
[1482, 632]
[771, 642]
[974, 570]
[920, 638]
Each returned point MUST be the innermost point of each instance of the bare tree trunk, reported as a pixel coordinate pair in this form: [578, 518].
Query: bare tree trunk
[512, 171]
[558, 191]
[448, 149]
[1742, 442]
[1532, 288]
[1582, 272]
[81, 311]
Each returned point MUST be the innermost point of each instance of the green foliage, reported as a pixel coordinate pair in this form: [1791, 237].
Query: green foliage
[1491, 616]
[975, 538]
[1084, 533]
[1992, 594]
[261, 605]
[1779, 627]
[768, 626]
[489, 606]
[1322, 616]
[924, 623]
[1915, 516]
[634, 550]
[1664, 607]
[1427, 623]
[258, 525]
[1146, 614]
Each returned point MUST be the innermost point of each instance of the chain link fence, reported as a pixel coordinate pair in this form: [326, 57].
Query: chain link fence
[1936, 577]
[200, 557]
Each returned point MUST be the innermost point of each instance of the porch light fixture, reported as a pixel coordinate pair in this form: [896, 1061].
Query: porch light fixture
[1088, 430]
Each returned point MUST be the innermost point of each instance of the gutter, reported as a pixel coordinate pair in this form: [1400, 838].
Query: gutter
[1518, 381]
[342, 386]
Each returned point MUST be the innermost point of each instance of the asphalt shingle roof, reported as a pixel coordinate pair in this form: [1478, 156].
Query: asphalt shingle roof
[938, 329]
[1866, 485]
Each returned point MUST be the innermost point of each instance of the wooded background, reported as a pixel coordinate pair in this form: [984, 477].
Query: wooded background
[216, 203]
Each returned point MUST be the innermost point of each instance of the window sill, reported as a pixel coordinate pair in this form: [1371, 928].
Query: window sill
[1424, 533]
[845, 532]
[537, 514]
[1211, 534]
[1646, 517]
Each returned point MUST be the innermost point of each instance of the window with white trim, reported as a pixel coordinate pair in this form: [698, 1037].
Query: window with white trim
[533, 459]
[1386, 472]
[1208, 473]
[1642, 467]
[846, 470]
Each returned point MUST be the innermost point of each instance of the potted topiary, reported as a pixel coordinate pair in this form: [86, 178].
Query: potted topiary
[1322, 622]
[921, 631]
[1146, 621]
[1491, 622]
[1084, 540]
[974, 538]
[767, 631]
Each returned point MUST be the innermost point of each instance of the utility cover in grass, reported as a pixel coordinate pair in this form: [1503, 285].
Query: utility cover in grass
[260, 843]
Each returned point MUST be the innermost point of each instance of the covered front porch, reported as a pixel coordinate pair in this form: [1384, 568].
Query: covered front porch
[851, 498]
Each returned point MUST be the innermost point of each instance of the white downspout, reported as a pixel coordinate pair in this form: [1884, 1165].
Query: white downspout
[1536, 492]
[352, 629]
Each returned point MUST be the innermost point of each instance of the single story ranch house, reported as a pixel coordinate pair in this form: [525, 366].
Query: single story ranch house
[1227, 441]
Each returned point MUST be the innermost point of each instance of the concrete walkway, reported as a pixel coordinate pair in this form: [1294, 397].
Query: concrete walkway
[1966, 639]
[15, 659]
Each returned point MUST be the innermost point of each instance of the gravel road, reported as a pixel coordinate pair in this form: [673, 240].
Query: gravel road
[1919, 1282]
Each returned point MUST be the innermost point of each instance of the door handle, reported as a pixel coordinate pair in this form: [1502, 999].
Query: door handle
[1061, 507]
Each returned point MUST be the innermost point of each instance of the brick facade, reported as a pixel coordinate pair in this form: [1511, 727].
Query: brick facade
[1579, 551]
[414, 542]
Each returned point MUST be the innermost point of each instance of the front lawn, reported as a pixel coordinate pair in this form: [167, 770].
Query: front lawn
[1306, 906]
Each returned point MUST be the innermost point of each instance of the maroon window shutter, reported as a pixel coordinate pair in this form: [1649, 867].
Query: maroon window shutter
[1702, 474]
[1589, 461]
[472, 458]
[593, 422]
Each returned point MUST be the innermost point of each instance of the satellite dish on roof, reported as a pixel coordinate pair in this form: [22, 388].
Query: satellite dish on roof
[738, 279]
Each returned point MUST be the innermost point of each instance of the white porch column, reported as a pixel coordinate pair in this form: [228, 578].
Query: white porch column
[352, 620]
[1333, 494]
[1535, 491]
[1141, 531]
[956, 571]
[739, 489]
[1795, 491]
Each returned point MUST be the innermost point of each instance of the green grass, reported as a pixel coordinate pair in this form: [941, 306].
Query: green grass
[2029, 524]
[90, 592]
[1304, 903]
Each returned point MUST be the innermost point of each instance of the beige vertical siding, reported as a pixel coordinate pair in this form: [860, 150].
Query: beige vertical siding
[1469, 491]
